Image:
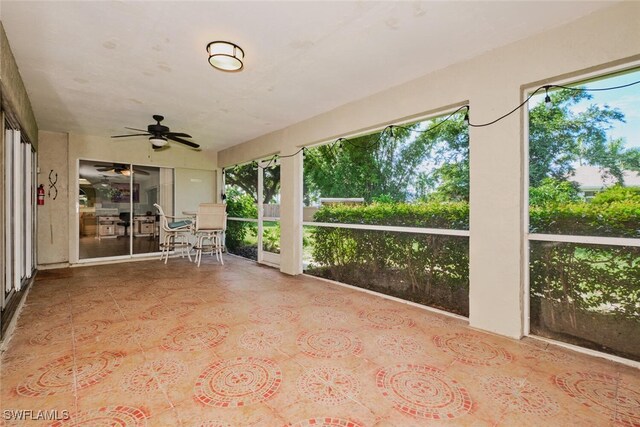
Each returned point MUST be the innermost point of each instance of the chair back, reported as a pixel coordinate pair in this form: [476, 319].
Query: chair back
[211, 216]
[124, 217]
[164, 223]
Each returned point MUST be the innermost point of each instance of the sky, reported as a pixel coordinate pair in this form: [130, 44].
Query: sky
[627, 100]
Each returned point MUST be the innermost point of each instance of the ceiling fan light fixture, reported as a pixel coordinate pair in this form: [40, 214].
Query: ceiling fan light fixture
[158, 141]
[225, 56]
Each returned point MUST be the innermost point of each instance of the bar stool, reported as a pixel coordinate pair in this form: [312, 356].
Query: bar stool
[176, 234]
[211, 222]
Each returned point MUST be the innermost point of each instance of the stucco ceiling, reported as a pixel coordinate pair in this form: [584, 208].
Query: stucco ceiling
[95, 67]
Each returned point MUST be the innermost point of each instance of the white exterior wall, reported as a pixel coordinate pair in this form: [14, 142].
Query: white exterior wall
[493, 84]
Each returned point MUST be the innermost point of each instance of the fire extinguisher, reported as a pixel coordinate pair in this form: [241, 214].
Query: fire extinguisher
[41, 195]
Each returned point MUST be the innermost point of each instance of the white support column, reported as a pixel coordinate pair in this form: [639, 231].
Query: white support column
[291, 215]
[496, 213]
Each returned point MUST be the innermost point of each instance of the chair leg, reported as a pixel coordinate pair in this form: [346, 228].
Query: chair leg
[220, 245]
[200, 242]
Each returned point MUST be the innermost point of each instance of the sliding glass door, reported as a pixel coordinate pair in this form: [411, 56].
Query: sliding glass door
[144, 223]
[116, 213]
[19, 212]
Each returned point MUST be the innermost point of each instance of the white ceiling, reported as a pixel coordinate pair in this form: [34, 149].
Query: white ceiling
[95, 67]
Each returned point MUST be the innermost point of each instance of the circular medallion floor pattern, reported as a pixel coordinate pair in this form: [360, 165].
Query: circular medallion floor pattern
[60, 375]
[327, 422]
[276, 314]
[328, 386]
[120, 416]
[195, 336]
[154, 374]
[399, 346]
[167, 311]
[329, 343]
[471, 350]
[330, 300]
[385, 319]
[238, 382]
[260, 339]
[603, 394]
[423, 391]
[91, 329]
[520, 395]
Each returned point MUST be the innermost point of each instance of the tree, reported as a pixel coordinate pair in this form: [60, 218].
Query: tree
[560, 137]
[245, 177]
[399, 165]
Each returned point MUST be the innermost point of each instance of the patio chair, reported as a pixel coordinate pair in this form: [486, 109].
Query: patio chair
[211, 222]
[176, 232]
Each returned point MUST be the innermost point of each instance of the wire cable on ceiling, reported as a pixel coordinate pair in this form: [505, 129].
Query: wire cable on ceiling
[389, 129]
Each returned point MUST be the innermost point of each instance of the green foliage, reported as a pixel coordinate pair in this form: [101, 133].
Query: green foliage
[429, 269]
[553, 192]
[558, 137]
[244, 179]
[433, 269]
[591, 278]
[271, 239]
[617, 194]
[618, 218]
[239, 205]
[391, 165]
[453, 215]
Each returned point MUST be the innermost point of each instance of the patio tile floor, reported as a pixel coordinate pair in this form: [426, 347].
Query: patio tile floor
[144, 343]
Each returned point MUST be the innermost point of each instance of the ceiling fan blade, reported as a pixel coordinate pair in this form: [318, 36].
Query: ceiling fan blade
[178, 134]
[140, 172]
[139, 130]
[133, 134]
[182, 141]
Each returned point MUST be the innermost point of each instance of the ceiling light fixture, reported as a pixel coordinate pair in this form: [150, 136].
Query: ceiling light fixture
[158, 141]
[225, 56]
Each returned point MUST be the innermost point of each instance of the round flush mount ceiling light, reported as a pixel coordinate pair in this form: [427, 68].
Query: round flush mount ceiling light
[225, 56]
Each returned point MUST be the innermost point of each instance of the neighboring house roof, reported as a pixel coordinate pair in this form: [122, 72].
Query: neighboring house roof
[595, 178]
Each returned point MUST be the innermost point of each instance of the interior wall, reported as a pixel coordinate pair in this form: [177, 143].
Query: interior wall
[89, 147]
[193, 186]
[53, 227]
[492, 84]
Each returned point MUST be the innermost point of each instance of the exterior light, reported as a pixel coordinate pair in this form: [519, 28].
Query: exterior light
[225, 56]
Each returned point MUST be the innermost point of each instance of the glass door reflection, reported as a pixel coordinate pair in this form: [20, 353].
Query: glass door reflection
[116, 213]
[146, 192]
[104, 207]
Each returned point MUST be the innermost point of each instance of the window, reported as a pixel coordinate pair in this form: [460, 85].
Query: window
[19, 193]
[241, 190]
[584, 215]
[389, 212]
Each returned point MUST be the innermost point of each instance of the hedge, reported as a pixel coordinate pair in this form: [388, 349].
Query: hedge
[434, 269]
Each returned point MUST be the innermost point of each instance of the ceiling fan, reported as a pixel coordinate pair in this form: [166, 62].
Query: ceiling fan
[120, 169]
[160, 134]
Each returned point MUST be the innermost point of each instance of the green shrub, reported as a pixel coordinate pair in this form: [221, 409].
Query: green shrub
[239, 205]
[434, 269]
[425, 268]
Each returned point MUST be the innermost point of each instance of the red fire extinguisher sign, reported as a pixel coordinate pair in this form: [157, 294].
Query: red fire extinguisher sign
[40, 195]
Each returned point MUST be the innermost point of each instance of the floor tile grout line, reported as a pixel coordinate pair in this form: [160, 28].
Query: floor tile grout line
[76, 392]
[144, 354]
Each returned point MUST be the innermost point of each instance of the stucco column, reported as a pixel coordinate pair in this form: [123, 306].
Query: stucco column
[496, 212]
[291, 214]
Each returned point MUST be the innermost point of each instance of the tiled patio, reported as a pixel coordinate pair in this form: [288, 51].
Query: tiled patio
[145, 343]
